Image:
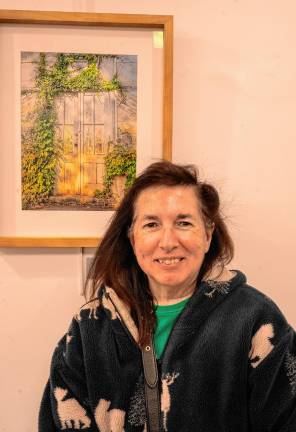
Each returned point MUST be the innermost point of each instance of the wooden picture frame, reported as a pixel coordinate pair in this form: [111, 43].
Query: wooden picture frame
[162, 23]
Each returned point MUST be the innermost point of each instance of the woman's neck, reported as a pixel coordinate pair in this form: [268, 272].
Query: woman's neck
[164, 295]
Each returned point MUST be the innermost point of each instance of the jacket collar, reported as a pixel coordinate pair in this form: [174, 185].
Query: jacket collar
[209, 294]
[119, 310]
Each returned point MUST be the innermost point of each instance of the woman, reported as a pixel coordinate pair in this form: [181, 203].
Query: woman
[226, 355]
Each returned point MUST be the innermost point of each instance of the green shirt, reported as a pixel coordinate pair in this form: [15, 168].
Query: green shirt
[166, 317]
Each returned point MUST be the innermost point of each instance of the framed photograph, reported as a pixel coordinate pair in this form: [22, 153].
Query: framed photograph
[86, 104]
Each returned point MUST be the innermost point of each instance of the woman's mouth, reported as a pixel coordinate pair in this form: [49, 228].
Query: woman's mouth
[169, 261]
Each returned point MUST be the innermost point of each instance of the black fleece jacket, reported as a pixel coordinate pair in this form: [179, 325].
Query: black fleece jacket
[229, 366]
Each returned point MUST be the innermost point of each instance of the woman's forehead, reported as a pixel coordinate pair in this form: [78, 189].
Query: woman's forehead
[167, 198]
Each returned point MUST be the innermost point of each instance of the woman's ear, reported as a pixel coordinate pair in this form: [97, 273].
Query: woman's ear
[210, 226]
[130, 236]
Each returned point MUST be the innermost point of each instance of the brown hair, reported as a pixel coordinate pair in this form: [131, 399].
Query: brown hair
[115, 264]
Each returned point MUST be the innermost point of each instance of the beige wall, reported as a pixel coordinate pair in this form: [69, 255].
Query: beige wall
[234, 116]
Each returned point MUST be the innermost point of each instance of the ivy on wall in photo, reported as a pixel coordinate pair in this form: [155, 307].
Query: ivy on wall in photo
[121, 161]
[41, 150]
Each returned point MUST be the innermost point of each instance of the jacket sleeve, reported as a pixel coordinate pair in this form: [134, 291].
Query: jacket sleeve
[272, 374]
[65, 402]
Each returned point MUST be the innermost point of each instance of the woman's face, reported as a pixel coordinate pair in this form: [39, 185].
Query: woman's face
[169, 237]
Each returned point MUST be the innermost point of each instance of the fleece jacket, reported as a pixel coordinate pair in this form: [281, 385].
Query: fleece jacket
[229, 366]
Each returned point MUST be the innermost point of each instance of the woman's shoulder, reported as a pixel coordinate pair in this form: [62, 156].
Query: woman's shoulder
[258, 308]
[87, 319]
[250, 305]
[257, 299]
[89, 310]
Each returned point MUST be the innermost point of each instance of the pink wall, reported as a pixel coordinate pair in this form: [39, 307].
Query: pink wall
[234, 116]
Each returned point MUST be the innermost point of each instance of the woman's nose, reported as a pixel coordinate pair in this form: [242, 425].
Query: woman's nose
[168, 240]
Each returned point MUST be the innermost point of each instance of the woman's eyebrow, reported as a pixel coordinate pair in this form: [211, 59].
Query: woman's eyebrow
[154, 217]
[179, 216]
[149, 217]
[185, 216]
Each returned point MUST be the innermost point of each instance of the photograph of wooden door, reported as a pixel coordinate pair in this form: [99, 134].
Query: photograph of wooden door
[85, 131]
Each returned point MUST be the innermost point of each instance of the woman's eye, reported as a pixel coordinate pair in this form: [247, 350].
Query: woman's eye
[184, 223]
[150, 225]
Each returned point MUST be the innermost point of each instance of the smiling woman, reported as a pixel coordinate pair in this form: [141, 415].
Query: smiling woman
[167, 213]
[170, 240]
[226, 356]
